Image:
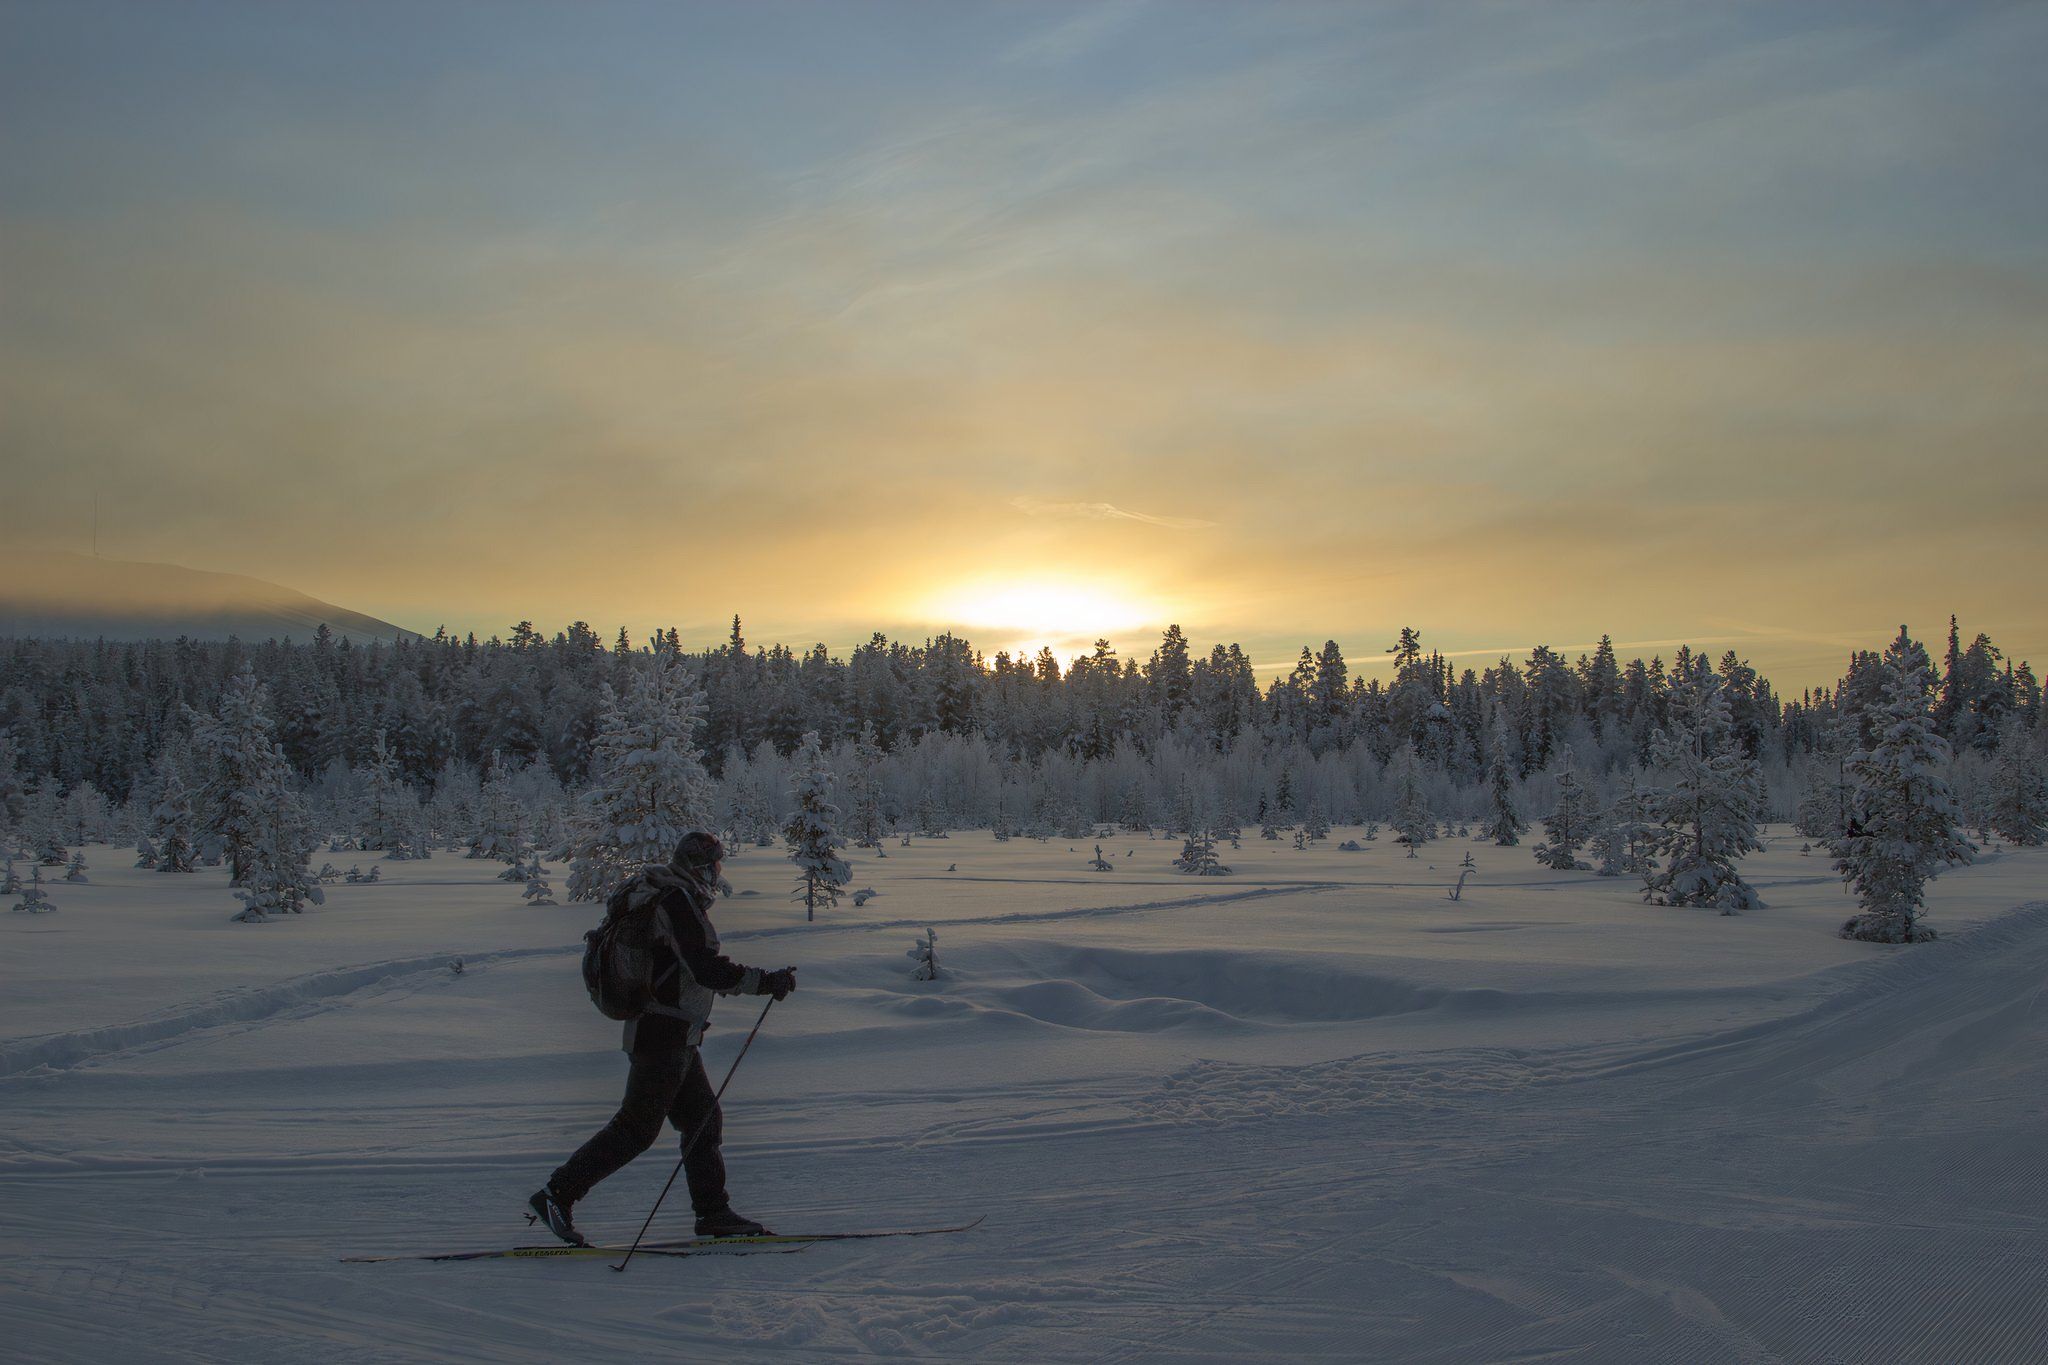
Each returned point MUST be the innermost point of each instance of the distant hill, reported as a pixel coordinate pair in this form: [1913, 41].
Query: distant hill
[58, 595]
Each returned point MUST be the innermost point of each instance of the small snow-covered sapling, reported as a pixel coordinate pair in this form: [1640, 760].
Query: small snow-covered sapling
[925, 953]
[76, 871]
[34, 900]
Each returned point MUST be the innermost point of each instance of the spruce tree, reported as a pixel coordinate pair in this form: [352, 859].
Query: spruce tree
[1706, 819]
[1412, 821]
[1903, 824]
[651, 788]
[1504, 823]
[1314, 823]
[246, 771]
[278, 882]
[34, 900]
[2019, 788]
[812, 834]
[390, 811]
[864, 792]
[1622, 843]
[1570, 823]
[499, 832]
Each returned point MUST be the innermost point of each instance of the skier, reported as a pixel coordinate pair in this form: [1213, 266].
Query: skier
[667, 1076]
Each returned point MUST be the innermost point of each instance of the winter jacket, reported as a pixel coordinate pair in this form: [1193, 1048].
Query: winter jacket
[689, 971]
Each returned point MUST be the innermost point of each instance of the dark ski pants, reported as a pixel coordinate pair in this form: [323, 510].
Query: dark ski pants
[664, 1083]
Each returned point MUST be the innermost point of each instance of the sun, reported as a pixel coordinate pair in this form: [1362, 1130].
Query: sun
[1025, 615]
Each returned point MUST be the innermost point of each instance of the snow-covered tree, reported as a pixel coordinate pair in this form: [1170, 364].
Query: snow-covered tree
[1570, 822]
[1706, 818]
[1198, 856]
[500, 818]
[1315, 824]
[1822, 813]
[1622, 841]
[925, 953]
[2019, 788]
[85, 814]
[864, 791]
[812, 832]
[246, 770]
[13, 795]
[76, 871]
[539, 890]
[34, 900]
[46, 822]
[170, 821]
[390, 813]
[1504, 823]
[1903, 825]
[1412, 821]
[278, 882]
[1186, 811]
[651, 785]
[10, 880]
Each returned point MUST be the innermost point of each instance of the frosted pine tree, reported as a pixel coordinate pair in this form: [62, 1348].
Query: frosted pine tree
[1903, 824]
[539, 890]
[1504, 823]
[1622, 843]
[278, 882]
[34, 900]
[10, 880]
[812, 832]
[244, 766]
[925, 953]
[45, 820]
[1706, 819]
[1570, 823]
[1821, 812]
[1314, 823]
[499, 817]
[1186, 810]
[76, 871]
[864, 792]
[651, 786]
[13, 796]
[390, 813]
[2019, 788]
[170, 821]
[1411, 820]
[1198, 856]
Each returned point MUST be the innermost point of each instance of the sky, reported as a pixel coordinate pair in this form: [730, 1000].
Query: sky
[1719, 323]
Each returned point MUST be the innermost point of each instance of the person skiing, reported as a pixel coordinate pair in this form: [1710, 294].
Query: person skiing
[666, 1078]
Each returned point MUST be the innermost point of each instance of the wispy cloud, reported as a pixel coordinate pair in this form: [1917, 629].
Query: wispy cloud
[1105, 511]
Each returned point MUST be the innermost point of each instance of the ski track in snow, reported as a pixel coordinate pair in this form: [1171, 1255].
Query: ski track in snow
[1857, 1179]
[255, 1005]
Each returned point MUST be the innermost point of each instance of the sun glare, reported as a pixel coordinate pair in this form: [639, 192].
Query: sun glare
[1023, 616]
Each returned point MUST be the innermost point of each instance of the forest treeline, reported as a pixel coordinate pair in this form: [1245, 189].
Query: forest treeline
[99, 712]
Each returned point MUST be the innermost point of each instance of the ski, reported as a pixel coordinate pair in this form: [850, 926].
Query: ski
[767, 1243]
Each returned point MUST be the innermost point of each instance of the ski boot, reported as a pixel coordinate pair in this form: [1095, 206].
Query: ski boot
[725, 1223]
[548, 1209]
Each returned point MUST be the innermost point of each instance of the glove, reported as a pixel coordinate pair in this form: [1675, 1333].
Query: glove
[779, 984]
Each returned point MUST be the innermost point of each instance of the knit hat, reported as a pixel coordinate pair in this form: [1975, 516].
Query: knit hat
[697, 849]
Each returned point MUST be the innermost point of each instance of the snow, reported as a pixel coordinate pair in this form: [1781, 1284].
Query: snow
[1315, 1111]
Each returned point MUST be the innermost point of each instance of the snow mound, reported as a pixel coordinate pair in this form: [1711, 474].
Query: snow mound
[1132, 991]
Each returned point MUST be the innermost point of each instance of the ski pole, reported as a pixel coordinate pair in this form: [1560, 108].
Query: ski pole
[691, 1145]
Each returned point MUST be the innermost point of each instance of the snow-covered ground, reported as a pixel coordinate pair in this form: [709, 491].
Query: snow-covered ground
[1313, 1110]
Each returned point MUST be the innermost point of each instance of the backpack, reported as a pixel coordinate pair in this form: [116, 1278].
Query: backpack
[618, 955]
